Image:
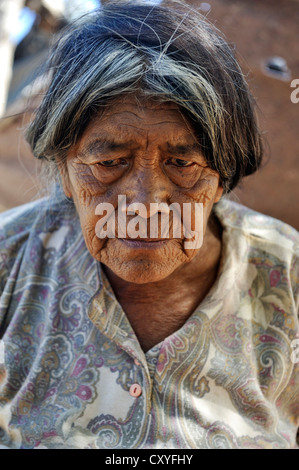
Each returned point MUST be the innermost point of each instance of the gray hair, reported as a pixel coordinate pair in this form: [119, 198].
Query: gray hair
[168, 52]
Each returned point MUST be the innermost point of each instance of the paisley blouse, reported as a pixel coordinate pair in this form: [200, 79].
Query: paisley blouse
[73, 374]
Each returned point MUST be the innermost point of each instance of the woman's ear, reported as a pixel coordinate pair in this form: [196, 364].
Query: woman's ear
[219, 192]
[64, 177]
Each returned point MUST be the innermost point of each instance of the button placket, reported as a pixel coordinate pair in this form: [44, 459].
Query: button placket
[142, 383]
[135, 390]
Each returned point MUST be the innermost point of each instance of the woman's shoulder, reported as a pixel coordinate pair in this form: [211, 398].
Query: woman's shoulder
[263, 242]
[18, 223]
[15, 227]
[19, 219]
[23, 226]
[41, 215]
[257, 227]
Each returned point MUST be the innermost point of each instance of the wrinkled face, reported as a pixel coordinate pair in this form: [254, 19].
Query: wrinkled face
[147, 152]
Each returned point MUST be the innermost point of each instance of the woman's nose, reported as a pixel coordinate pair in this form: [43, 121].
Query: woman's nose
[149, 189]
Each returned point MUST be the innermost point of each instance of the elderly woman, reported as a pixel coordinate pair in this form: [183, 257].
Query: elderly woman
[126, 340]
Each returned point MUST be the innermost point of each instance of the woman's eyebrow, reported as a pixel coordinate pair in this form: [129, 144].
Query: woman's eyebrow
[104, 145]
[184, 149]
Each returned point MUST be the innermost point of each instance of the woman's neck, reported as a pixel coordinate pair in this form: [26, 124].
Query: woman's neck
[158, 309]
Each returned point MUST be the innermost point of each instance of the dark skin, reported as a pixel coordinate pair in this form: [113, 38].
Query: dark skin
[148, 152]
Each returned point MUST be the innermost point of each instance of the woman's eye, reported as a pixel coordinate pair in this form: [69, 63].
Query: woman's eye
[111, 163]
[180, 163]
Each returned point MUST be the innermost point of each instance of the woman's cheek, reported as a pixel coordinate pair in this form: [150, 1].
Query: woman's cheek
[185, 178]
[106, 176]
[93, 242]
[86, 189]
[205, 189]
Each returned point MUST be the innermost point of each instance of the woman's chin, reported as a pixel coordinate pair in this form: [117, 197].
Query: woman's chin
[139, 264]
[141, 271]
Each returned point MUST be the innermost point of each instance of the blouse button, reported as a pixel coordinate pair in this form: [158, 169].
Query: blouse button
[135, 390]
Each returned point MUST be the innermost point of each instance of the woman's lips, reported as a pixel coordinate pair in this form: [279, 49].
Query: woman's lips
[144, 243]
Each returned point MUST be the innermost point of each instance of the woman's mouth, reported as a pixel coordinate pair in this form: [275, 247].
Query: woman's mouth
[144, 242]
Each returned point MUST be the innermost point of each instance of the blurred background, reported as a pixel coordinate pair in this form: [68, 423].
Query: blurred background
[265, 34]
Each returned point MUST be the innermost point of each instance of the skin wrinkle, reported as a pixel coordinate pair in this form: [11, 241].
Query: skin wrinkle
[141, 276]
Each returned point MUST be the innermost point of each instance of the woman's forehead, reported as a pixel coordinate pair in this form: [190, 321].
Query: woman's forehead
[135, 116]
[140, 106]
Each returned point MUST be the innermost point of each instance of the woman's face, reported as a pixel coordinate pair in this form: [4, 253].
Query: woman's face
[147, 152]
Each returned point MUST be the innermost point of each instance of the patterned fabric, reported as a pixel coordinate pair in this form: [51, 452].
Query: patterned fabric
[226, 379]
